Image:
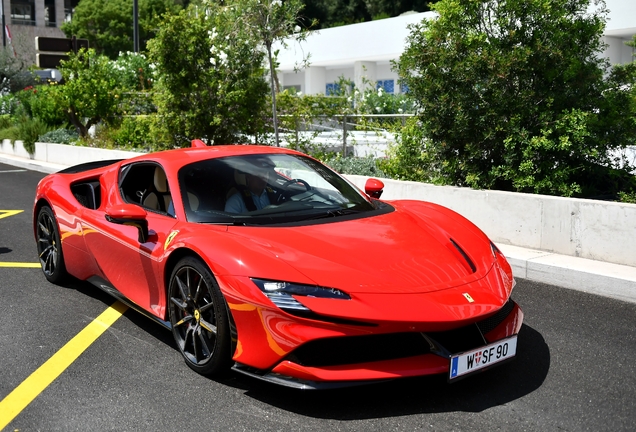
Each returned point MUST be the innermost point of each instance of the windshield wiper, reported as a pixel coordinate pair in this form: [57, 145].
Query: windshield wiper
[335, 213]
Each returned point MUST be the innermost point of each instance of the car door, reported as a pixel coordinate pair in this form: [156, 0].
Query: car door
[132, 266]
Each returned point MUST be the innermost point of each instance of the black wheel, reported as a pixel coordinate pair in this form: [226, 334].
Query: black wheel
[199, 318]
[49, 246]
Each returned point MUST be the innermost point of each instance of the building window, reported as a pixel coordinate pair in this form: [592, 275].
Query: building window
[49, 13]
[332, 89]
[293, 88]
[69, 9]
[386, 85]
[23, 12]
[404, 88]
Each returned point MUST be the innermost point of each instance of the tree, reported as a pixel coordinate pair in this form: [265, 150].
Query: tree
[269, 22]
[90, 93]
[515, 95]
[396, 7]
[108, 24]
[330, 13]
[211, 83]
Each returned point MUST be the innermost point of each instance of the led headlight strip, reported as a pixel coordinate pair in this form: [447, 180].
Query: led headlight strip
[280, 293]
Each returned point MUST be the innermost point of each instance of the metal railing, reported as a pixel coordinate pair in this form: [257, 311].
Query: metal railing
[344, 122]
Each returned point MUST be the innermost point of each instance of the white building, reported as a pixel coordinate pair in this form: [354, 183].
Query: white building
[363, 52]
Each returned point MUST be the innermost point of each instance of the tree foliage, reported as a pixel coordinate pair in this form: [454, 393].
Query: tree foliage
[268, 22]
[108, 24]
[515, 95]
[211, 84]
[91, 92]
[330, 13]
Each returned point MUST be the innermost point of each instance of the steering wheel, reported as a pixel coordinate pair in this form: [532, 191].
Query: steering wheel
[296, 181]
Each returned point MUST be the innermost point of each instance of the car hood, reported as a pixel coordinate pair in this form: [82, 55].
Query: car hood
[399, 252]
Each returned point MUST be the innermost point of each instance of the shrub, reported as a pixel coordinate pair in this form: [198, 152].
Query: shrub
[135, 132]
[29, 129]
[515, 95]
[91, 91]
[212, 87]
[409, 159]
[627, 197]
[47, 104]
[59, 136]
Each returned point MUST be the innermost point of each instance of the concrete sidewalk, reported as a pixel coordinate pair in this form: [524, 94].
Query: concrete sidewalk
[595, 277]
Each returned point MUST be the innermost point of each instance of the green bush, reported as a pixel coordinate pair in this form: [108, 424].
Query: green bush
[29, 129]
[506, 107]
[59, 136]
[627, 197]
[8, 104]
[135, 132]
[47, 104]
[212, 87]
[10, 133]
[409, 158]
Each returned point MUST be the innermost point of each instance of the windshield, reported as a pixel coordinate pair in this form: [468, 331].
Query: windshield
[267, 189]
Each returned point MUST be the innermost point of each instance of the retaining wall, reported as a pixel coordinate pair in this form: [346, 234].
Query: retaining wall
[598, 230]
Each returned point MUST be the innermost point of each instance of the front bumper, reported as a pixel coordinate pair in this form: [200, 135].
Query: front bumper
[336, 362]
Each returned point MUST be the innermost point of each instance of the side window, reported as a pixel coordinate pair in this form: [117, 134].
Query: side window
[146, 185]
[87, 194]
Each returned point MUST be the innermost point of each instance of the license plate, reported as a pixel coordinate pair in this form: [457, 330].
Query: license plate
[472, 361]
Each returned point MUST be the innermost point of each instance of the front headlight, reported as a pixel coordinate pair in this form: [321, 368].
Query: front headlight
[280, 293]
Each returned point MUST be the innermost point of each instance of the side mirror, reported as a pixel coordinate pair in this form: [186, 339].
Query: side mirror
[374, 188]
[132, 215]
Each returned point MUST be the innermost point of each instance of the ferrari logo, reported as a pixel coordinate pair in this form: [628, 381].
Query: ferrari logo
[469, 298]
[169, 239]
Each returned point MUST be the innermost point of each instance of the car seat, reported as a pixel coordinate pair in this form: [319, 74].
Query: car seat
[159, 197]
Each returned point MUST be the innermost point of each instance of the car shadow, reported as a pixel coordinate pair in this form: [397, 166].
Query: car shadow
[494, 387]
[4, 250]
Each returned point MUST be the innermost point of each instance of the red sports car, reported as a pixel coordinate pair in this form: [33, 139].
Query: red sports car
[263, 260]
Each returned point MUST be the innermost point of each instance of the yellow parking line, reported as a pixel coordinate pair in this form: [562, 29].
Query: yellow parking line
[31, 387]
[7, 213]
[20, 265]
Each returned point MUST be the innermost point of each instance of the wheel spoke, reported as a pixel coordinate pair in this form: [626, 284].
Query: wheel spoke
[47, 251]
[206, 307]
[184, 320]
[179, 303]
[189, 334]
[198, 291]
[182, 287]
[206, 325]
[47, 264]
[44, 229]
[206, 344]
[196, 341]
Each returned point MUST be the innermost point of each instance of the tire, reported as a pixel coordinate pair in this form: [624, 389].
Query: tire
[198, 316]
[50, 246]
